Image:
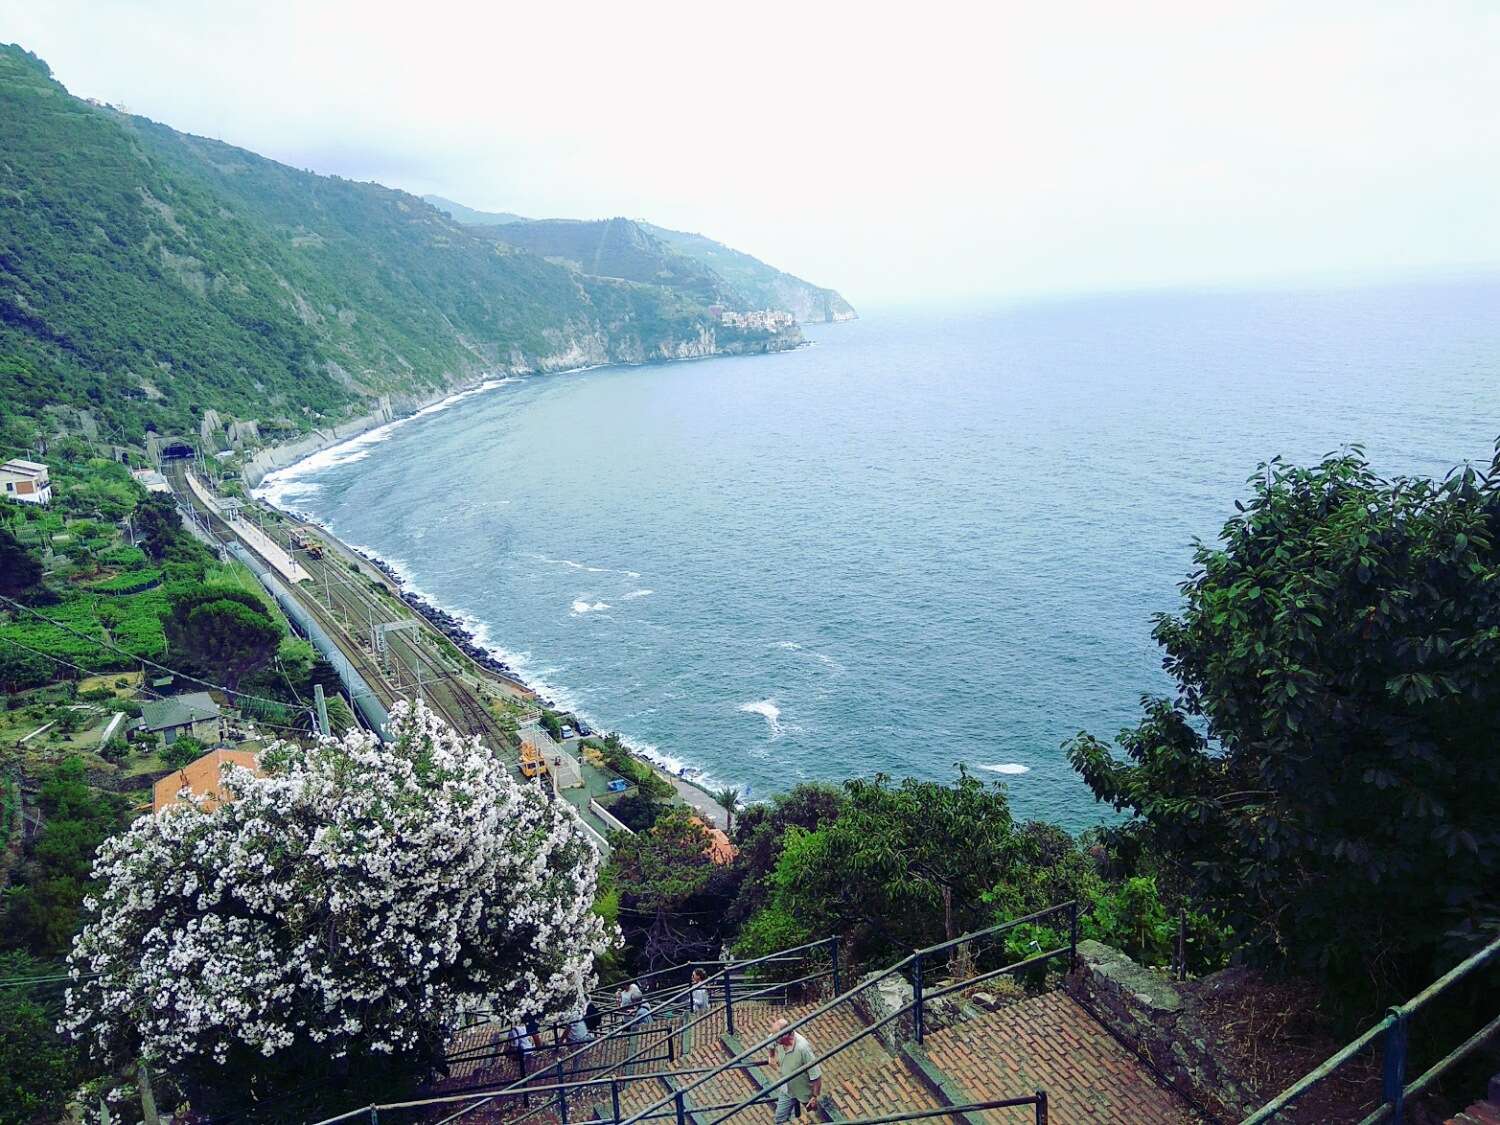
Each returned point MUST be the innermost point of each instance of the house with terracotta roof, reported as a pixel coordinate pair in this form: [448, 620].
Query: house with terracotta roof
[201, 778]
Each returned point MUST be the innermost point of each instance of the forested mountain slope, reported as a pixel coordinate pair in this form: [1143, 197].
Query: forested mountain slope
[147, 275]
[697, 266]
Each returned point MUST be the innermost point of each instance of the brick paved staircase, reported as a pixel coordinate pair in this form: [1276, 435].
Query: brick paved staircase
[1046, 1042]
[1486, 1112]
[1051, 1043]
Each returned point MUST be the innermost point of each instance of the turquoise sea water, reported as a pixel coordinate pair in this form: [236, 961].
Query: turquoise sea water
[930, 538]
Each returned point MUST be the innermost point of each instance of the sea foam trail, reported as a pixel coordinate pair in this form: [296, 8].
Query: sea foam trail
[582, 606]
[637, 594]
[1007, 767]
[280, 486]
[768, 710]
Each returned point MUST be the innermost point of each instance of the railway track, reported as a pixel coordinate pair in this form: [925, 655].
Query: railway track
[346, 606]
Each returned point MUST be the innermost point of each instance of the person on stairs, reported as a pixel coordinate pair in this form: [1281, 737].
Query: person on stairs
[697, 1007]
[789, 1054]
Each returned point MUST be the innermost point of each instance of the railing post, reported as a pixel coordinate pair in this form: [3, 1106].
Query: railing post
[562, 1094]
[1041, 1107]
[1393, 1060]
[729, 999]
[1073, 936]
[916, 988]
[614, 1097]
[681, 1110]
[833, 943]
[1182, 943]
[374, 1116]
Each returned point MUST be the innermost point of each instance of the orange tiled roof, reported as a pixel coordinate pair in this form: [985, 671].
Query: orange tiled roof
[201, 777]
[720, 850]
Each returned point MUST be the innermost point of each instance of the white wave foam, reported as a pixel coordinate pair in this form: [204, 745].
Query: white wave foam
[821, 657]
[1007, 767]
[574, 564]
[767, 709]
[274, 487]
[581, 606]
[636, 594]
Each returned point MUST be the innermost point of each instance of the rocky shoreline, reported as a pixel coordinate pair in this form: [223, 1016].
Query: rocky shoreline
[459, 634]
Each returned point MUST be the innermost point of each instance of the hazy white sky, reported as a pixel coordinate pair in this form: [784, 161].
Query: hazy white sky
[897, 152]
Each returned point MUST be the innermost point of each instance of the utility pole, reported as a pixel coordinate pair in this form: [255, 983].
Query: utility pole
[322, 705]
[148, 1097]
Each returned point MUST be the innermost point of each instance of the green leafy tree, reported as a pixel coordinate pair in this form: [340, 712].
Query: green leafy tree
[903, 865]
[183, 752]
[38, 1069]
[41, 908]
[672, 894]
[761, 832]
[1324, 779]
[223, 631]
[20, 570]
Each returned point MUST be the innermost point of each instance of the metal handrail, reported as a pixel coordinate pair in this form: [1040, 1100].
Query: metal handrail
[608, 990]
[1391, 1030]
[916, 1005]
[724, 974]
[637, 1056]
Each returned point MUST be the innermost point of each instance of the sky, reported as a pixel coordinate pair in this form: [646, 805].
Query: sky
[900, 153]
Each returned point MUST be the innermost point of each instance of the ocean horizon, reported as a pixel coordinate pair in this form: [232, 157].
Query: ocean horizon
[931, 538]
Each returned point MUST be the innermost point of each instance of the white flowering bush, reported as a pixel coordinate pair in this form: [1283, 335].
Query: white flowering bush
[357, 898]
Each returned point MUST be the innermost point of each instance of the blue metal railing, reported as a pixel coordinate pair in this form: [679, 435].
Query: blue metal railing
[916, 1008]
[630, 1032]
[1391, 1031]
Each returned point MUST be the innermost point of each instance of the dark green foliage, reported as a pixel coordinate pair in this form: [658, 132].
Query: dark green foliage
[761, 831]
[38, 1069]
[20, 570]
[906, 865]
[162, 534]
[672, 896]
[41, 908]
[222, 631]
[636, 811]
[183, 752]
[1325, 780]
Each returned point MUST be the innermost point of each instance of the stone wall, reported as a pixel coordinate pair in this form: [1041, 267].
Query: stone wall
[1154, 1018]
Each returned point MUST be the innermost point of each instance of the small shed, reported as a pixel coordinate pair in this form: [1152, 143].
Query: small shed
[193, 713]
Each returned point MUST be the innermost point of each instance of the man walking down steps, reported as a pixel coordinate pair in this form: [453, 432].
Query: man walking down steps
[789, 1054]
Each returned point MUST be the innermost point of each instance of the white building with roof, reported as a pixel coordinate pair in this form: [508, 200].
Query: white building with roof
[25, 481]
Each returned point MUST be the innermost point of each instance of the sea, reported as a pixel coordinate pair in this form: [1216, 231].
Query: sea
[931, 539]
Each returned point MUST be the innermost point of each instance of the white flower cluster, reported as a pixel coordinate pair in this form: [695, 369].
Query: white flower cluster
[358, 897]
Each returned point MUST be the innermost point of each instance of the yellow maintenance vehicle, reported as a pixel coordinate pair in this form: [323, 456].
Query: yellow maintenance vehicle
[533, 764]
[302, 541]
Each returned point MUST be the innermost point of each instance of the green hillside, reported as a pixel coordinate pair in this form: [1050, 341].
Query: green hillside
[760, 286]
[697, 266]
[147, 275]
[616, 248]
[469, 215]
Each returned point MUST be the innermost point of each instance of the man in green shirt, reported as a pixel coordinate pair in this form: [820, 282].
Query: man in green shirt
[790, 1054]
